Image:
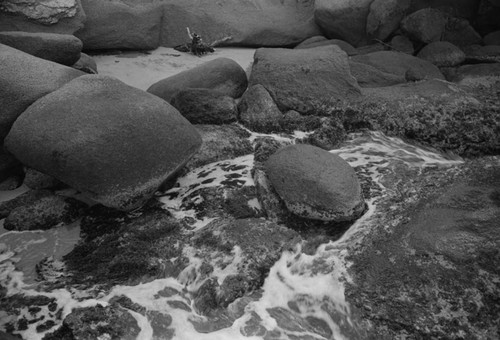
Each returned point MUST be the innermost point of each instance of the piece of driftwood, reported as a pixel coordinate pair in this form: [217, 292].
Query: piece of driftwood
[197, 46]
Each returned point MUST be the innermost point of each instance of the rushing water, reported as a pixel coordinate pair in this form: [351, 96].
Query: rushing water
[305, 285]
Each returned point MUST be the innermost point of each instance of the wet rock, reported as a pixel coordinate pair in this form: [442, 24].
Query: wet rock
[328, 136]
[97, 322]
[112, 146]
[60, 48]
[399, 64]
[302, 80]
[492, 38]
[265, 147]
[384, 17]
[442, 54]
[293, 121]
[462, 8]
[44, 213]
[24, 79]
[242, 203]
[425, 25]
[25, 199]
[220, 142]
[85, 64]
[273, 207]
[160, 323]
[315, 184]
[222, 74]
[292, 322]
[344, 45]
[401, 43]
[205, 106]
[37, 180]
[376, 47]
[118, 25]
[258, 111]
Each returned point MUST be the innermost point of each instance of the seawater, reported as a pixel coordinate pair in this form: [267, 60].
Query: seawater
[313, 283]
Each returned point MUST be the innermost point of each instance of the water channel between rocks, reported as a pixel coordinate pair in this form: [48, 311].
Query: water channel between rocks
[307, 285]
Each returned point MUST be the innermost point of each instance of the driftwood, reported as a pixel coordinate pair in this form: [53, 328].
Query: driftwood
[197, 46]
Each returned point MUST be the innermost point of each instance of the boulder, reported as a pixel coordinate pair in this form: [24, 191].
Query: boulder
[462, 8]
[264, 23]
[121, 25]
[9, 166]
[482, 54]
[222, 74]
[114, 143]
[426, 25]
[401, 43]
[205, 106]
[311, 40]
[345, 46]
[220, 142]
[258, 111]
[487, 17]
[60, 48]
[384, 17]
[442, 54]
[25, 199]
[304, 80]
[37, 180]
[315, 184]
[49, 16]
[86, 64]
[400, 65]
[475, 75]
[370, 76]
[24, 79]
[460, 33]
[492, 38]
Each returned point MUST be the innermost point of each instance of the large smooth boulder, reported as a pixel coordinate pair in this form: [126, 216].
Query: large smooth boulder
[442, 54]
[113, 142]
[400, 65]
[305, 79]
[50, 16]
[247, 22]
[459, 32]
[370, 76]
[345, 46]
[258, 111]
[345, 19]
[384, 17]
[25, 78]
[222, 74]
[121, 25]
[60, 48]
[315, 184]
[426, 25]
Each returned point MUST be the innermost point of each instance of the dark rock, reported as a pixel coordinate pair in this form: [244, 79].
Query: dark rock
[104, 138]
[292, 121]
[344, 46]
[25, 199]
[492, 38]
[222, 74]
[205, 106]
[482, 54]
[459, 32]
[315, 184]
[220, 142]
[60, 48]
[384, 17]
[371, 76]
[36, 180]
[238, 203]
[302, 80]
[258, 111]
[85, 64]
[24, 79]
[328, 136]
[425, 25]
[401, 43]
[477, 75]
[292, 322]
[311, 40]
[120, 25]
[376, 47]
[9, 166]
[265, 147]
[462, 8]
[442, 54]
[160, 323]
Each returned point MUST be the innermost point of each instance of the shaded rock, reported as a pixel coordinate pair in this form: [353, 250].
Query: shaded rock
[477, 74]
[36, 180]
[344, 46]
[462, 8]
[26, 199]
[302, 80]
[492, 38]
[384, 17]
[400, 43]
[487, 17]
[265, 23]
[11, 183]
[86, 64]
[220, 142]
[120, 25]
[442, 54]
[258, 111]
[222, 74]
[293, 121]
[482, 54]
[371, 48]
[311, 40]
[425, 25]
[399, 64]
[370, 76]
[344, 20]
[50, 16]
[315, 184]
[205, 106]
[9, 166]
[24, 79]
[97, 322]
[111, 141]
[44, 213]
[459, 32]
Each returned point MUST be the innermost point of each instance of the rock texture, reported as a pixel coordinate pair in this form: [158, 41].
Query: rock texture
[24, 79]
[315, 184]
[385, 16]
[442, 54]
[258, 111]
[345, 46]
[222, 74]
[113, 142]
[426, 25]
[60, 48]
[304, 79]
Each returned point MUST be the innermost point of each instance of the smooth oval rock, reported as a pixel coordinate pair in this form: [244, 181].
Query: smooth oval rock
[315, 184]
[113, 142]
[222, 74]
[442, 54]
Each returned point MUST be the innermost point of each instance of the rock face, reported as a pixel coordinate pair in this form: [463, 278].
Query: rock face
[60, 48]
[222, 74]
[113, 142]
[344, 19]
[303, 79]
[384, 17]
[315, 184]
[24, 79]
[50, 16]
[205, 106]
[121, 25]
[442, 54]
[264, 23]
[258, 111]
[426, 25]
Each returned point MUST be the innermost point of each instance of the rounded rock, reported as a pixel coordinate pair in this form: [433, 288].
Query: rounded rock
[442, 54]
